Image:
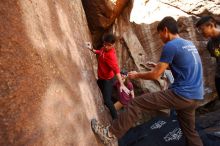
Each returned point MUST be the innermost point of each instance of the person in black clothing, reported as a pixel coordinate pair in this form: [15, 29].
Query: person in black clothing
[207, 26]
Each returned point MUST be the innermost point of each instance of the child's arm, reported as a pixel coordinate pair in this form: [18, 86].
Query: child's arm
[132, 94]
[96, 51]
[122, 86]
[131, 88]
[89, 46]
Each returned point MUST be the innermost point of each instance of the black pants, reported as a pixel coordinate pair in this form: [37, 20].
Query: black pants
[217, 86]
[106, 89]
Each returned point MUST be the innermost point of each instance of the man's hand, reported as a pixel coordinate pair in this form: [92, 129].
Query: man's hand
[132, 75]
[125, 89]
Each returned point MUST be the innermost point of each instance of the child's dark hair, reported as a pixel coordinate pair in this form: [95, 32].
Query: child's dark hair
[124, 72]
[205, 20]
[170, 23]
[109, 38]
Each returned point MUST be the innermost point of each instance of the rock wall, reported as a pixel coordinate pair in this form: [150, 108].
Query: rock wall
[197, 7]
[48, 91]
[101, 14]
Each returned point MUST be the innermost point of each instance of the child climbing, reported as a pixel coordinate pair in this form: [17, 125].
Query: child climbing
[108, 68]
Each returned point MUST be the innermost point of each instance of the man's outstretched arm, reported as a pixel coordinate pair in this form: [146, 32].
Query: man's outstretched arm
[154, 74]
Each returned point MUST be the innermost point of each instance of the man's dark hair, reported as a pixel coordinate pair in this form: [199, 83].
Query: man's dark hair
[205, 20]
[168, 22]
[109, 38]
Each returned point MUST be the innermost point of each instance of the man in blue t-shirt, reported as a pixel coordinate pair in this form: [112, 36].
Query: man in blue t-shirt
[182, 57]
[184, 61]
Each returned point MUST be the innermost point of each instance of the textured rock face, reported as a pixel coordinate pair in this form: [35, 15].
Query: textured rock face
[197, 7]
[101, 14]
[48, 91]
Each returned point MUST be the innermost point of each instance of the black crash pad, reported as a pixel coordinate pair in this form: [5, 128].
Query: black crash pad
[162, 131]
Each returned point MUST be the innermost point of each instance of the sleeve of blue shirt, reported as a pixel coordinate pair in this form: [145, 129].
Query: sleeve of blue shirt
[168, 53]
